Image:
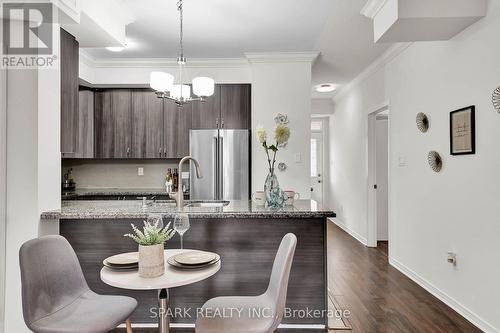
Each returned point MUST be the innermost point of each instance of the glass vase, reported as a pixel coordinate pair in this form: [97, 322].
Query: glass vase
[275, 197]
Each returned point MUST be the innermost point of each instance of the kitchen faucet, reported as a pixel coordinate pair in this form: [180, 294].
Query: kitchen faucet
[179, 195]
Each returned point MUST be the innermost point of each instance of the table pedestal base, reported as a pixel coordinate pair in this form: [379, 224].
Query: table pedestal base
[163, 319]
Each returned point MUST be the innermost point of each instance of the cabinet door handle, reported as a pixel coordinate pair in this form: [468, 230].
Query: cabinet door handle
[128, 152]
[165, 152]
[217, 122]
[159, 152]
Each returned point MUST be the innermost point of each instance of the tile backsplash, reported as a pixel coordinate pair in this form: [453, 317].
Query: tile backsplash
[119, 174]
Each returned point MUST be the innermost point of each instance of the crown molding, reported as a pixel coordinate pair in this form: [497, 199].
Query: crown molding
[161, 62]
[374, 67]
[270, 57]
[372, 7]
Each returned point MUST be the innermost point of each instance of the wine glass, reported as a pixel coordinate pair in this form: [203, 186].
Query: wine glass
[181, 225]
[153, 218]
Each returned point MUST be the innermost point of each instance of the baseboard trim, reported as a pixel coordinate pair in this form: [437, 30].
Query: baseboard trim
[445, 298]
[338, 222]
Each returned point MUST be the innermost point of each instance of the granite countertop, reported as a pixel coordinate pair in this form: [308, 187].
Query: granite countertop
[124, 209]
[87, 192]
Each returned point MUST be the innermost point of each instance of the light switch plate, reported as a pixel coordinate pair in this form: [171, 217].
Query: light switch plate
[402, 161]
[140, 171]
[298, 157]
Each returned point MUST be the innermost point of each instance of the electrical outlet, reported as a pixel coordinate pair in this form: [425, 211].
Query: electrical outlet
[140, 171]
[402, 161]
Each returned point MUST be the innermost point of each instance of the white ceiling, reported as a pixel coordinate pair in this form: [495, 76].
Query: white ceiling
[228, 29]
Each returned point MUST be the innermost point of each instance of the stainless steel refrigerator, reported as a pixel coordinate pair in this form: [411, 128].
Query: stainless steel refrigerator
[224, 157]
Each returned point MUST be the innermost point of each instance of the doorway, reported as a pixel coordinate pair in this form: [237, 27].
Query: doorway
[318, 158]
[378, 178]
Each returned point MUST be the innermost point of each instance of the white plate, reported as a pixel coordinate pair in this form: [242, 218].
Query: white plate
[171, 261]
[194, 258]
[128, 258]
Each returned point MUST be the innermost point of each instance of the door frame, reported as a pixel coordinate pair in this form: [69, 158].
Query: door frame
[325, 120]
[372, 177]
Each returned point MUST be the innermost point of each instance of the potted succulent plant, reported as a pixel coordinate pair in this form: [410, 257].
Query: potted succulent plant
[151, 245]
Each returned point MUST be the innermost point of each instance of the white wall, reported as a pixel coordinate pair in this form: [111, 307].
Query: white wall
[382, 175]
[3, 189]
[33, 168]
[431, 214]
[283, 87]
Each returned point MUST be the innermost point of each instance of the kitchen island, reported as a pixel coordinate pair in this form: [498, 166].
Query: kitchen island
[246, 236]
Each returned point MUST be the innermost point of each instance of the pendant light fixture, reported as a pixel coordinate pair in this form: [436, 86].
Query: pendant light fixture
[164, 83]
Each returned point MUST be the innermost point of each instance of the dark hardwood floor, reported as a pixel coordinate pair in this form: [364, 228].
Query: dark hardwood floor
[379, 298]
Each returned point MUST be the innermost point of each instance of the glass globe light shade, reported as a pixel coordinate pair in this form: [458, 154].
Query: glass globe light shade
[161, 81]
[179, 91]
[203, 86]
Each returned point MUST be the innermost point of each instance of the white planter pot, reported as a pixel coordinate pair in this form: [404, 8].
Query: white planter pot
[151, 261]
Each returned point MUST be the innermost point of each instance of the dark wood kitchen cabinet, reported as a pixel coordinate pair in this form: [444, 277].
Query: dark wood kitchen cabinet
[235, 105]
[85, 134]
[206, 115]
[113, 123]
[177, 125]
[69, 94]
[228, 108]
[147, 124]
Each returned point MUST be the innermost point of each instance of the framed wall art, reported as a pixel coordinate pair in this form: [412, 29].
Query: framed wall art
[463, 131]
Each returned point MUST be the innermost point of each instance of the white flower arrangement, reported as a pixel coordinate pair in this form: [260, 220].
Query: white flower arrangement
[281, 136]
[152, 234]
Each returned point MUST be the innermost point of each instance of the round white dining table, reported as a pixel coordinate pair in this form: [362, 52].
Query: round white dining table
[172, 278]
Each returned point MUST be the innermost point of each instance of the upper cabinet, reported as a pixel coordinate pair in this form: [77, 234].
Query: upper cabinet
[147, 124]
[85, 134]
[69, 94]
[178, 122]
[235, 106]
[206, 115]
[113, 123]
[229, 108]
[135, 123]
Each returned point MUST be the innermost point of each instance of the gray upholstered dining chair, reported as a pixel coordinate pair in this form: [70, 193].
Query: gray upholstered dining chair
[253, 314]
[56, 297]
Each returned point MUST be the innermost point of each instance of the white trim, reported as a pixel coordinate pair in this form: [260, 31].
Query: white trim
[445, 298]
[270, 57]
[341, 224]
[371, 208]
[378, 64]
[89, 60]
[3, 189]
[372, 7]
[176, 325]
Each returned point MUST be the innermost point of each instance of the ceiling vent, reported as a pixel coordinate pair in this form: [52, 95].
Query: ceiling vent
[422, 20]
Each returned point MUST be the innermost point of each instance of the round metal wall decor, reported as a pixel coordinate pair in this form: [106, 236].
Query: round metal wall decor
[496, 99]
[282, 166]
[422, 122]
[435, 161]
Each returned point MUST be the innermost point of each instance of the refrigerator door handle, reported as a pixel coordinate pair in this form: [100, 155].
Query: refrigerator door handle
[221, 168]
[216, 167]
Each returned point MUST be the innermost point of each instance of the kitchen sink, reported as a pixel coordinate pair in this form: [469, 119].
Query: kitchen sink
[208, 204]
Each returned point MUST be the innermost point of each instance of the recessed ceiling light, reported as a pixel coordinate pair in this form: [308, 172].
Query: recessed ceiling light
[115, 48]
[325, 87]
